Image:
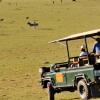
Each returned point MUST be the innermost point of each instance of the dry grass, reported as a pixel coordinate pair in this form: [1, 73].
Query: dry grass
[24, 49]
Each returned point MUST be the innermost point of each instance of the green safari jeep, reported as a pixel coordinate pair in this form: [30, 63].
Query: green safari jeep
[78, 73]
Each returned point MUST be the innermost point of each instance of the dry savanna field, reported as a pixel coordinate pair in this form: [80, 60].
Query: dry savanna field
[24, 48]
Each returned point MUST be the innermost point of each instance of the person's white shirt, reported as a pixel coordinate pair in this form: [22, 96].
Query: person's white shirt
[83, 53]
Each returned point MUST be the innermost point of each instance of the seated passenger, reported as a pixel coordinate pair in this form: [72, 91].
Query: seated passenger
[83, 56]
[83, 51]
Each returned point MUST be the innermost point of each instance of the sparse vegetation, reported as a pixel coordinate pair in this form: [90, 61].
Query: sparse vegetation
[0, 0]
[24, 49]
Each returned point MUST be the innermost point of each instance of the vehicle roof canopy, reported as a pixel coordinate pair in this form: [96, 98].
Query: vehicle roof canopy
[79, 36]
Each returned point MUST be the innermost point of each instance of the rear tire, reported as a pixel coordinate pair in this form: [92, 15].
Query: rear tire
[51, 91]
[83, 90]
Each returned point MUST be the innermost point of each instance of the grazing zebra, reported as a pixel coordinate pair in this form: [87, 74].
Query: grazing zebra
[32, 24]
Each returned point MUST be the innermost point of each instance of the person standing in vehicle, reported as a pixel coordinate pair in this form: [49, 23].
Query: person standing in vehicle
[96, 47]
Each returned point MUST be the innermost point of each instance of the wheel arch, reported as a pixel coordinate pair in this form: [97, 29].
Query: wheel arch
[79, 77]
[46, 80]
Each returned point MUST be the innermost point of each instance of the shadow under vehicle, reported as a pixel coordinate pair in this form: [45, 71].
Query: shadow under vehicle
[78, 73]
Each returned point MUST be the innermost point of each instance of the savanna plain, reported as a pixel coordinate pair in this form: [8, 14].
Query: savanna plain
[23, 48]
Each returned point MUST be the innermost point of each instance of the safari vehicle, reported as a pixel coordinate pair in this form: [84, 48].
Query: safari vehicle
[78, 73]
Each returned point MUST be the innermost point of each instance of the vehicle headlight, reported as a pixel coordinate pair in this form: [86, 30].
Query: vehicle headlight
[40, 70]
[99, 78]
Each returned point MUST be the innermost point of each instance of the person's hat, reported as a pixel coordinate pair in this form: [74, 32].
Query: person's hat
[83, 47]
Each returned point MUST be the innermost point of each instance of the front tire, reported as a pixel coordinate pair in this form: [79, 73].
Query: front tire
[51, 91]
[83, 90]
